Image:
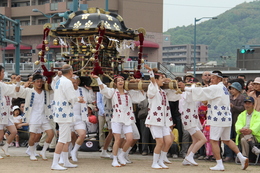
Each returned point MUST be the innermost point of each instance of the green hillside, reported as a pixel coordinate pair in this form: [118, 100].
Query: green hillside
[234, 28]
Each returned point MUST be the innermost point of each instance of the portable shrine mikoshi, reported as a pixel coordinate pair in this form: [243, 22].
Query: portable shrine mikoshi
[91, 41]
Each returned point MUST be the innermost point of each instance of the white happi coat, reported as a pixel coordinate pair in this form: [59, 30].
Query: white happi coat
[159, 113]
[28, 94]
[6, 112]
[123, 104]
[83, 106]
[172, 96]
[63, 100]
[6, 92]
[218, 104]
[189, 111]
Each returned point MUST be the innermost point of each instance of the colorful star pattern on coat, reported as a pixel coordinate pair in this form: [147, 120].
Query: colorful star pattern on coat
[215, 107]
[71, 114]
[186, 117]
[64, 103]
[64, 115]
[209, 105]
[219, 113]
[225, 90]
[223, 107]
[128, 113]
[159, 108]
[195, 116]
[155, 113]
[223, 119]
[132, 118]
[188, 110]
[60, 109]
[159, 119]
[215, 119]
[209, 117]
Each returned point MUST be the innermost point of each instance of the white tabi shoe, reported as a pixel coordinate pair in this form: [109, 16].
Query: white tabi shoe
[156, 166]
[217, 168]
[121, 159]
[70, 165]
[58, 167]
[33, 158]
[191, 160]
[186, 163]
[104, 154]
[5, 150]
[244, 163]
[42, 155]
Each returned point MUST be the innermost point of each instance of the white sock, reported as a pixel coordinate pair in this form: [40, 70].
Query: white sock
[240, 155]
[128, 150]
[65, 156]
[163, 156]
[155, 158]
[55, 159]
[76, 147]
[114, 158]
[70, 147]
[45, 146]
[31, 148]
[219, 162]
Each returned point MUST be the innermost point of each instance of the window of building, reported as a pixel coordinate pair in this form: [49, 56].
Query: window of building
[20, 4]
[54, 6]
[42, 2]
[25, 23]
[42, 21]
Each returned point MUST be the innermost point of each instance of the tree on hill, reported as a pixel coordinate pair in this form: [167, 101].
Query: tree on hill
[234, 28]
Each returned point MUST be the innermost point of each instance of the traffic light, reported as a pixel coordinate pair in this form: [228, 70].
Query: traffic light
[2, 27]
[247, 50]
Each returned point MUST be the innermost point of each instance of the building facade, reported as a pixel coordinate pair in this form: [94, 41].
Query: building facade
[136, 14]
[183, 55]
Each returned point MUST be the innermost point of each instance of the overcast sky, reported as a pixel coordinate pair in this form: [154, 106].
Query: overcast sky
[179, 13]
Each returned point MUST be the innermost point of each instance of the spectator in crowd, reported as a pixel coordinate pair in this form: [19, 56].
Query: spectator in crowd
[225, 81]
[202, 113]
[249, 86]
[248, 128]
[102, 120]
[237, 106]
[17, 120]
[187, 78]
[175, 148]
[23, 131]
[255, 94]
[205, 78]
[242, 76]
[13, 78]
[147, 140]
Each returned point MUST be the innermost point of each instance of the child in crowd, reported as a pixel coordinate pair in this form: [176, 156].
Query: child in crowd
[17, 120]
[174, 150]
[92, 123]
